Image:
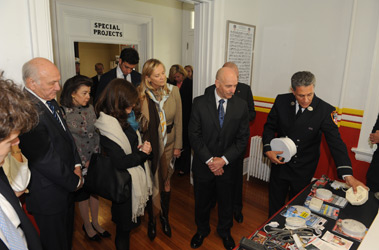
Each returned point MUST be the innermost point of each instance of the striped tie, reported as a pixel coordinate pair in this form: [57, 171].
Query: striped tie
[54, 112]
[11, 234]
[221, 112]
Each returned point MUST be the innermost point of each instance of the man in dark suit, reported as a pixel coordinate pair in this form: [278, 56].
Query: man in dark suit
[17, 114]
[373, 171]
[302, 117]
[129, 59]
[218, 132]
[53, 159]
[99, 68]
[243, 91]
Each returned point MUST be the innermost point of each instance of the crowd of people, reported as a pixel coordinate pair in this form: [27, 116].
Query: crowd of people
[148, 125]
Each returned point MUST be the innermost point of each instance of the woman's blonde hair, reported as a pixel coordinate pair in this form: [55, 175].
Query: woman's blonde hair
[176, 68]
[147, 70]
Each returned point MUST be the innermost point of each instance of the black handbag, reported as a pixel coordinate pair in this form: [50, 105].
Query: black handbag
[106, 180]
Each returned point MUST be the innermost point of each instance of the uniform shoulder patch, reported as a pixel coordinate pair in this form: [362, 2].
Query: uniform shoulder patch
[334, 116]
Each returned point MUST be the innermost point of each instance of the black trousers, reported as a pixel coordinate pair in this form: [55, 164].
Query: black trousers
[56, 230]
[183, 163]
[204, 191]
[279, 188]
[238, 185]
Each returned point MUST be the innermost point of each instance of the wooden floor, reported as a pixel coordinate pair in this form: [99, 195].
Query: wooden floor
[255, 211]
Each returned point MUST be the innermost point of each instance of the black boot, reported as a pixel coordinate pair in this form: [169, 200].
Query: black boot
[165, 202]
[151, 225]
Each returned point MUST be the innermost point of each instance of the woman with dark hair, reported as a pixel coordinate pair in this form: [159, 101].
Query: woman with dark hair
[80, 118]
[121, 141]
[178, 76]
[161, 121]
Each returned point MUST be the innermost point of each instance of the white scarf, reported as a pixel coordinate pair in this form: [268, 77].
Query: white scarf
[141, 180]
[161, 112]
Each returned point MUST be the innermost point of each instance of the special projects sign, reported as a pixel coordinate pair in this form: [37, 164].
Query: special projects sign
[240, 48]
[106, 29]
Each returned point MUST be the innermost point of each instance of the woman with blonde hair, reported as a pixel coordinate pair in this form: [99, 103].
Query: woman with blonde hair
[161, 124]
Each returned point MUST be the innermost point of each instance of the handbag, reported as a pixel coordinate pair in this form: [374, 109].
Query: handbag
[106, 180]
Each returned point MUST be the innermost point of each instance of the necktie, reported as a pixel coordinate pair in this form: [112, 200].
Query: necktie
[221, 112]
[299, 112]
[53, 108]
[10, 232]
[125, 77]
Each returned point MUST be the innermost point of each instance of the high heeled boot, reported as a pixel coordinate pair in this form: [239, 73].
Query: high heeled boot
[165, 202]
[151, 225]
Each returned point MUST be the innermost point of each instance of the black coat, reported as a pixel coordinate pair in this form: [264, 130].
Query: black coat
[122, 212]
[52, 156]
[373, 171]
[186, 91]
[208, 139]
[112, 74]
[31, 235]
[306, 133]
[243, 91]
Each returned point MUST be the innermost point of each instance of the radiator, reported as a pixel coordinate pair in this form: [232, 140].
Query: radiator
[259, 165]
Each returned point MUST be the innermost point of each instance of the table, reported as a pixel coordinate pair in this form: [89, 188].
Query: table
[365, 214]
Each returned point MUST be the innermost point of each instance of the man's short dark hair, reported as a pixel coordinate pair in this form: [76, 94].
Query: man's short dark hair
[129, 55]
[302, 78]
[17, 112]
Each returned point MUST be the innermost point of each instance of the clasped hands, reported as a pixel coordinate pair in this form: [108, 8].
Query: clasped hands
[145, 147]
[216, 165]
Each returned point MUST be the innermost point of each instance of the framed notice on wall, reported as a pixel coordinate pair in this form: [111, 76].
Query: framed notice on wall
[240, 48]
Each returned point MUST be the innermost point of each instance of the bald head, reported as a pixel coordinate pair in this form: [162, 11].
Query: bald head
[226, 82]
[233, 66]
[42, 77]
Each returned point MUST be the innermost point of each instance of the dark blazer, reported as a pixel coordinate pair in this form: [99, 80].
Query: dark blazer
[30, 232]
[306, 133]
[242, 91]
[112, 74]
[208, 139]
[186, 91]
[95, 84]
[373, 171]
[52, 156]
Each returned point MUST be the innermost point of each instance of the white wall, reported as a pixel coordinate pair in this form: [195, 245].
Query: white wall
[167, 22]
[25, 34]
[310, 35]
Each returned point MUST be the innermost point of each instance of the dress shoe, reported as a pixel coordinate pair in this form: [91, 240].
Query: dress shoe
[228, 242]
[93, 238]
[238, 217]
[181, 173]
[151, 230]
[197, 240]
[104, 234]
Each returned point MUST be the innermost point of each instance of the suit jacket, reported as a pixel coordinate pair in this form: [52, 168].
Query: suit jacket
[30, 232]
[243, 91]
[373, 171]
[186, 96]
[95, 84]
[306, 133]
[52, 156]
[112, 74]
[208, 139]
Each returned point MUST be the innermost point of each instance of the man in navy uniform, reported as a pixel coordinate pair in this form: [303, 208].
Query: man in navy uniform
[302, 117]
